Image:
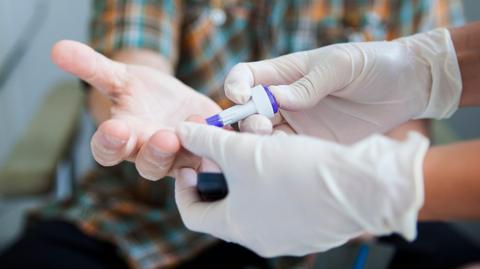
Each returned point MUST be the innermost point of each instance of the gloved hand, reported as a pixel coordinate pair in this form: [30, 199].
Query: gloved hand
[347, 91]
[293, 195]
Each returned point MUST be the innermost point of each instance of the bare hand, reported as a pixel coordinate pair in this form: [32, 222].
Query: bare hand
[147, 106]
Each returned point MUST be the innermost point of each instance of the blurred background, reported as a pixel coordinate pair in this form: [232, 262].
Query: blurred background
[29, 121]
[37, 159]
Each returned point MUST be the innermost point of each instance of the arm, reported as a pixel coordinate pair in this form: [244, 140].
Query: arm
[451, 172]
[444, 14]
[451, 180]
[467, 46]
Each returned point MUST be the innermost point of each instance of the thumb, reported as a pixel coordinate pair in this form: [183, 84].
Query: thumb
[82, 61]
[205, 141]
[330, 69]
[192, 210]
[199, 216]
[281, 70]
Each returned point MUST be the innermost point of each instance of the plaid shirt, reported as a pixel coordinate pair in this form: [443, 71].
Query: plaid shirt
[203, 40]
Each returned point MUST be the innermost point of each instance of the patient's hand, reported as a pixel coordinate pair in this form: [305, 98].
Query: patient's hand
[147, 105]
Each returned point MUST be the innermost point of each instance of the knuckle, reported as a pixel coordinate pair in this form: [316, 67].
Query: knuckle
[121, 81]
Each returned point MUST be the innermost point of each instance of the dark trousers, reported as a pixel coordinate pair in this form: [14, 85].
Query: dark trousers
[437, 246]
[59, 245]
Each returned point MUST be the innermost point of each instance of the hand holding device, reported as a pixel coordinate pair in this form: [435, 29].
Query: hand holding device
[293, 195]
[345, 92]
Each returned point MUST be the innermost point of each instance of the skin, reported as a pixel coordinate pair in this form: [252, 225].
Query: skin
[452, 172]
[467, 46]
[451, 180]
[137, 107]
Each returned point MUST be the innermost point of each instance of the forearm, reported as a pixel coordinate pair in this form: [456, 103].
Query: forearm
[451, 172]
[467, 46]
[452, 182]
[99, 105]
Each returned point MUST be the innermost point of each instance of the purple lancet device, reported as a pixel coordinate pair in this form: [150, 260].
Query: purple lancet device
[262, 102]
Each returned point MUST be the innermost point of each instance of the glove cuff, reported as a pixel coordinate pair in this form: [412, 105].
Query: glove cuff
[436, 49]
[391, 174]
[406, 223]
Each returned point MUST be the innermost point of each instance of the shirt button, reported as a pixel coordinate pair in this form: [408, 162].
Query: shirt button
[218, 16]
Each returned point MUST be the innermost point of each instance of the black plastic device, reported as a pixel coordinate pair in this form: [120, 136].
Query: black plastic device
[212, 186]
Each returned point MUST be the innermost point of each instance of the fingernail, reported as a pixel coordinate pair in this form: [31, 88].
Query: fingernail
[159, 154]
[111, 141]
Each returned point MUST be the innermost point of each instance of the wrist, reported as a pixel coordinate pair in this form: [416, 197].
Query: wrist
[466, 41]
[387, 192]
[451, 186]
[409, 181]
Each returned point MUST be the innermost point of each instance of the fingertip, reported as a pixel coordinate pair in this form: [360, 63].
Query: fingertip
[110, 143]
[196, 119]
[107, 151]
[238, 83]
[73, 57]
[238, 92]
[115, 129]
[155, 158]
[165, 141]
[58, 55]
[82, 61]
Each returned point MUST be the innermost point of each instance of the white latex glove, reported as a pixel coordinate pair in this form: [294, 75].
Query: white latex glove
[293, 195]
[345, 92]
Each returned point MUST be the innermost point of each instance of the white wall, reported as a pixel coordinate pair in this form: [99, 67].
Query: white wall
[35, 74]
